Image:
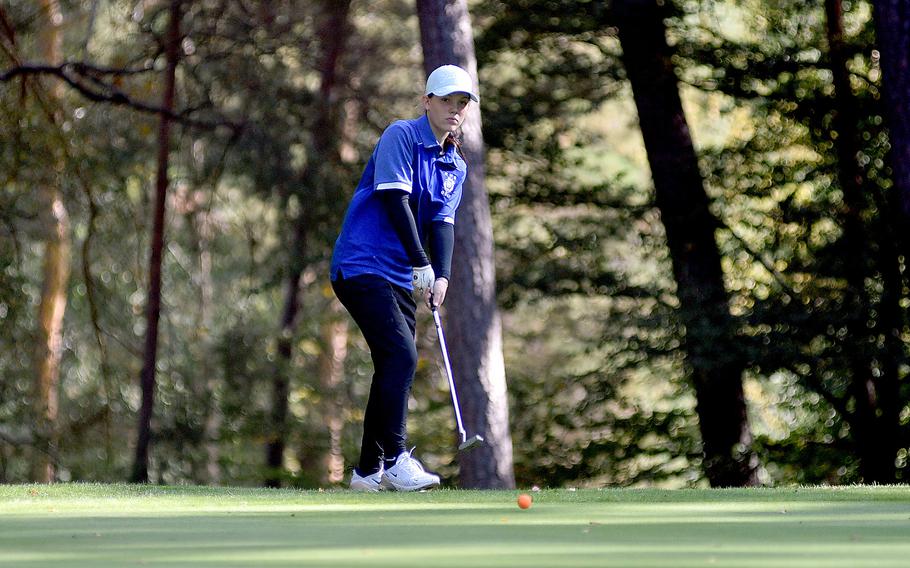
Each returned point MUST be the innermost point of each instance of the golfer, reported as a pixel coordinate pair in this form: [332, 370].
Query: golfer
[407, 196]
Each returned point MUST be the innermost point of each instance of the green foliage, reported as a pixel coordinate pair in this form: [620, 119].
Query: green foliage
[774, 177]
[591, 338]
[591, 356]
[230, 199]
[791, 255]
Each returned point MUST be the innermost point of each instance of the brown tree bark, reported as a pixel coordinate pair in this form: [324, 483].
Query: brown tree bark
[473, 322]
[140, 472]
[205, 388]
[56, 273]
[334, 350]
[325, 133]
[711, 352]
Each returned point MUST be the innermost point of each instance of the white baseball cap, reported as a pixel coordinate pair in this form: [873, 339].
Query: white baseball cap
[450, 79]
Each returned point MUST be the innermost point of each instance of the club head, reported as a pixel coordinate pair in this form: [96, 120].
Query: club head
[471, 442]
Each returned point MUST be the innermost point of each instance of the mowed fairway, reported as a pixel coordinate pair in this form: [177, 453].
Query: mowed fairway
[103, 526]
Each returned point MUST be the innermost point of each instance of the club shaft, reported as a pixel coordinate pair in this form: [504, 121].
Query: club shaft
[445, 359]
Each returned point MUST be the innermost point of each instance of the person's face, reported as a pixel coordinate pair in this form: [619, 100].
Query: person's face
[446, 113]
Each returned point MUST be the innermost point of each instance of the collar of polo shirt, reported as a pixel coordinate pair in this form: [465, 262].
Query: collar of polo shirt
[428, 139]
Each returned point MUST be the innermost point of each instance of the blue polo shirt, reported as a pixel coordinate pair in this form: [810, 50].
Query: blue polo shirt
[407, 158]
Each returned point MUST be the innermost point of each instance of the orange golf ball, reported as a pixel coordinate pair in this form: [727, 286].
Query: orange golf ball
[524, 500]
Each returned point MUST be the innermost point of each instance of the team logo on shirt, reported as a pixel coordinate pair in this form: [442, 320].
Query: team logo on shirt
[449, 180]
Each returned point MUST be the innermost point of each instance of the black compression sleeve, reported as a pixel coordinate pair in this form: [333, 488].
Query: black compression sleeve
[396, 204]
[442, 243]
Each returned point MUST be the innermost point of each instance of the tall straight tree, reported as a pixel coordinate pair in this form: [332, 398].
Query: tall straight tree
[715, 362]
[892, 26]
[333, 31]
[328, 464]
[474, 324]
[156, 246]
[56, 267]
[875, 420]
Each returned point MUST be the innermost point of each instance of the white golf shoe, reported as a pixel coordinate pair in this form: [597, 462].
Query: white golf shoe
[408, 475]
[371, 483]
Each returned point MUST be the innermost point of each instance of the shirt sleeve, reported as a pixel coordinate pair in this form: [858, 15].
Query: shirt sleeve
[442, 243]
[396, 205]
[453, 178]
[394, 164]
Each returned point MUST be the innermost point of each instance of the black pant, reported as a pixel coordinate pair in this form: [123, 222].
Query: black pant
[385, 314]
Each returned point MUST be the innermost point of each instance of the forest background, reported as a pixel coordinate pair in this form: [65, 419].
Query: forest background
[696, 270]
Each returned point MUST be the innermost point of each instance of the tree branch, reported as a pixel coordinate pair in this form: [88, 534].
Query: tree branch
[78, 75]
[20, 438]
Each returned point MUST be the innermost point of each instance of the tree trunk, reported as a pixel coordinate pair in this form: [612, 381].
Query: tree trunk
[875, 421]
[277, 437]
[325, 133]
[153, 303]
[206, 471]
[892, 25]
[474, 326]
[56, 272]
[214, 417]
[712, 355]
[331, 408]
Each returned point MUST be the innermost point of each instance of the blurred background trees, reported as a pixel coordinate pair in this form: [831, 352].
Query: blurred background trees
[798, 145]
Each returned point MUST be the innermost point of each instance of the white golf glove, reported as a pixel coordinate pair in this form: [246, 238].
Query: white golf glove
[423, 278]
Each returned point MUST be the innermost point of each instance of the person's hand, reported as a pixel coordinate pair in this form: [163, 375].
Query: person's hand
[438, 295]
[422, 279]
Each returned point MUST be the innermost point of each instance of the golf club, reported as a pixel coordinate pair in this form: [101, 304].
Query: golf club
[466, 443]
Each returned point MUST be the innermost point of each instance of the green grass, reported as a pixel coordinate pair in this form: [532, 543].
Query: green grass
[103, 526]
